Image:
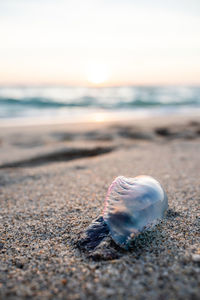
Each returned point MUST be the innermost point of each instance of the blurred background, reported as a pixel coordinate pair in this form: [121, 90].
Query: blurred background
[80, 61]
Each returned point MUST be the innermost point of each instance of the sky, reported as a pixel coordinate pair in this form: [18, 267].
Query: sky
[99, 42]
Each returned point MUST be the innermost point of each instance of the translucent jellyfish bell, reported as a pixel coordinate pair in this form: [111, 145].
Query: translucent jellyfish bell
[133, 205]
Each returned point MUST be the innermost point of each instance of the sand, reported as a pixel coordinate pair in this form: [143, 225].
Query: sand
[53, 183]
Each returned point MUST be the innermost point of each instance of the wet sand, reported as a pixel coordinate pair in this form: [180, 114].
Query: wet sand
[53, 183]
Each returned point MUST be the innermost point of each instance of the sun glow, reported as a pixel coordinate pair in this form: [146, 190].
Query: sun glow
[97, 73]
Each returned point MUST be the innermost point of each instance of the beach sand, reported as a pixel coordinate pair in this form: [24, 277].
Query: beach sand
[53, 183]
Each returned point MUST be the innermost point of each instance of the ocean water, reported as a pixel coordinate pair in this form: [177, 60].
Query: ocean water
[77, 104]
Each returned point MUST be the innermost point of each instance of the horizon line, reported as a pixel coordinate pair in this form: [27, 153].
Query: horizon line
[49, 85]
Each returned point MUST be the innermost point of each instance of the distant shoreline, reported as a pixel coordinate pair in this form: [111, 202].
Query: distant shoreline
[101, 117]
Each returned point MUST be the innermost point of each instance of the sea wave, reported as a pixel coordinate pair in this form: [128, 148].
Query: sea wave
[28, 101]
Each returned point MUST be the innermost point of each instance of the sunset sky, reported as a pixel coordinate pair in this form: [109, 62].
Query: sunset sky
[111, 42]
